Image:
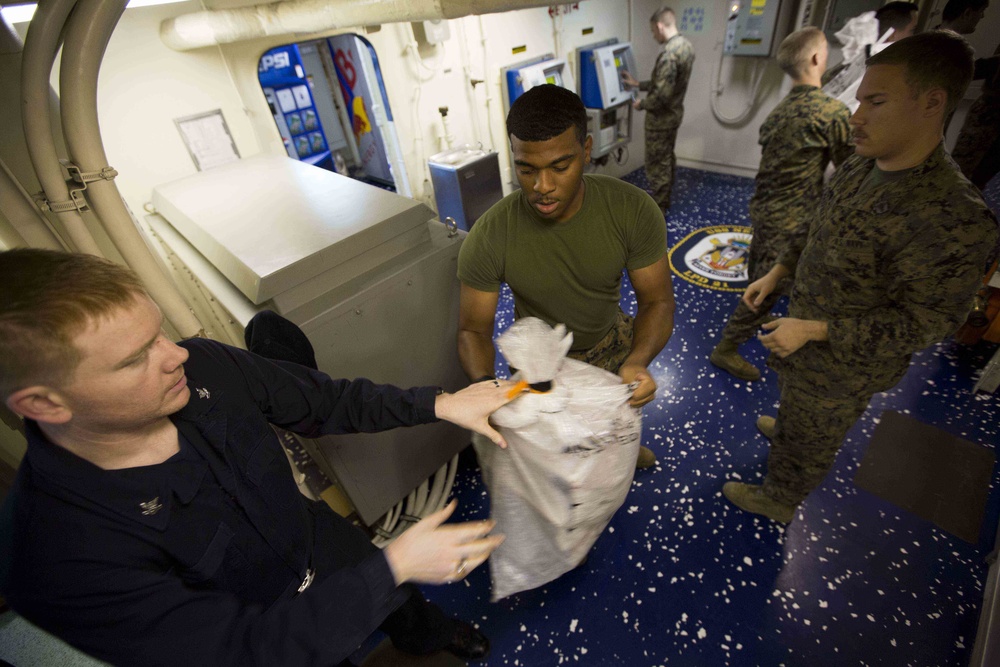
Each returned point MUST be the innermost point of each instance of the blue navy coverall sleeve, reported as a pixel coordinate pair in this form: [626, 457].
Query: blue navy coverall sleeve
[140, 569]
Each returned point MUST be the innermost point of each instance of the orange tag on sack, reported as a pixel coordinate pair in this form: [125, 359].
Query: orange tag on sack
[517, 389]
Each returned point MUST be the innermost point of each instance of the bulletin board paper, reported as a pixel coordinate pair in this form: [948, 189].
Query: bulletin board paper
[286, 100]
[208, 140]
[302, 97]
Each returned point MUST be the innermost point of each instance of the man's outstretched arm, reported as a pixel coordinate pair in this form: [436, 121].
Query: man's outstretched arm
[477, 311]
[654, 324]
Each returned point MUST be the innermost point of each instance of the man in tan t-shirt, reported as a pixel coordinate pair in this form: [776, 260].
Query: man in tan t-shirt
[561, 243]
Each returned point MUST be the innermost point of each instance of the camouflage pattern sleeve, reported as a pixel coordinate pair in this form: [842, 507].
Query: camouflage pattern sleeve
[661, 86]
[794, 246]
[930, 278]
[666, 88]
[839, 134]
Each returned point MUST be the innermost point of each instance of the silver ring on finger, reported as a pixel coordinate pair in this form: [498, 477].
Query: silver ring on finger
[460, 568]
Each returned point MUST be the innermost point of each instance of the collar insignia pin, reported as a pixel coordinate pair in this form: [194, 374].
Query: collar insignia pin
[203, 393]
[151, 507]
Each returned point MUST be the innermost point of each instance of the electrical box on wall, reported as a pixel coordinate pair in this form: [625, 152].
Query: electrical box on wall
[431, 32]
[610, 129]
[756, 27]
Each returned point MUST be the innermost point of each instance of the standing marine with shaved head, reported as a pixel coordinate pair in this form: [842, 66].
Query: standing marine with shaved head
[801, 136]
[894, 254]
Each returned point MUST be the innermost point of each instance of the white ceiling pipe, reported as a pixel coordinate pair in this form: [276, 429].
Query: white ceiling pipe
[21, 224]
[208, 28]
[86, 39]
[40, 47]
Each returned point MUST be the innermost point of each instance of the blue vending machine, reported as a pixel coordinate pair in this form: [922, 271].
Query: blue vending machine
[608, 101]
[286, 88]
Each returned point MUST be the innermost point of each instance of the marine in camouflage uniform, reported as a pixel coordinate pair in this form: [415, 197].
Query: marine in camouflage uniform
[664, 106]
[890, 264]
[977, 150]
[801, 136]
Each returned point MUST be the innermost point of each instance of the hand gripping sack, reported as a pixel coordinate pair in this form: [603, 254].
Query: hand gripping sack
[569, 464]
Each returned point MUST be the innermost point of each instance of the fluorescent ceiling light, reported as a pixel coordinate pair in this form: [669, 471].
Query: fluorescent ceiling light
[149, 3]
[23, 13]
[18, 13]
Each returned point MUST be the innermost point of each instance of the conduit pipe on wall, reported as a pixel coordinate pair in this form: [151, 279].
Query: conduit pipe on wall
[40, 47]
[87, 34]
[224, 26]
[21, 224]
[488, 85]
[470, 83]
[27, 226]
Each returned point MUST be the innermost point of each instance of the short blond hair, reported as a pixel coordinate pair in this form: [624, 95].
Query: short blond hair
[795, 50]
[46, 299]
[664, 15]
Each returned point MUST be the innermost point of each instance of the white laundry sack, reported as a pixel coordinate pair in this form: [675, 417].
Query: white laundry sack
[857, 34]
[569, 462]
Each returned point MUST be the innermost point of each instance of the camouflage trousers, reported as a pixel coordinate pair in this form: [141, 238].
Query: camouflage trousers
[610, 352]
[661, 164]
[977, 149]
[765, 248]
[813, 419]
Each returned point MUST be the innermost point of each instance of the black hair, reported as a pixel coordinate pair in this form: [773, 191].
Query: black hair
[545, 112]
[955, 8]
[896, 15]
[935, 59]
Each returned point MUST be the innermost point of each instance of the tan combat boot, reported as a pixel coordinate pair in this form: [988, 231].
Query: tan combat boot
[765, 424]
[647, 459]
[751, 498]
[726, 357]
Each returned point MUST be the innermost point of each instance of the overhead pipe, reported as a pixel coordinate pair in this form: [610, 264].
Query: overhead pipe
[87, 34]
[21, 224]
[224, 26]
[40, 47]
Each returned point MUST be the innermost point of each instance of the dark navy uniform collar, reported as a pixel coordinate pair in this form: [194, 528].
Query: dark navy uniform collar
[143, 495]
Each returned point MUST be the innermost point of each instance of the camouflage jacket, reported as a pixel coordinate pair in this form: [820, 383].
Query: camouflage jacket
[891, 270]
[671, 73]
[805, 132]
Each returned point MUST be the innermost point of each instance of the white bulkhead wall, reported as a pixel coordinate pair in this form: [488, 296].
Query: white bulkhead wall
[145, 85]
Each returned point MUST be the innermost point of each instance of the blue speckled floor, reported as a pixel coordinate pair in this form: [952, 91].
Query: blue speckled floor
[682, 578]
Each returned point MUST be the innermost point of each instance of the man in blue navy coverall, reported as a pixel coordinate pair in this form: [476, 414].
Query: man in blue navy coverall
[154, 519]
